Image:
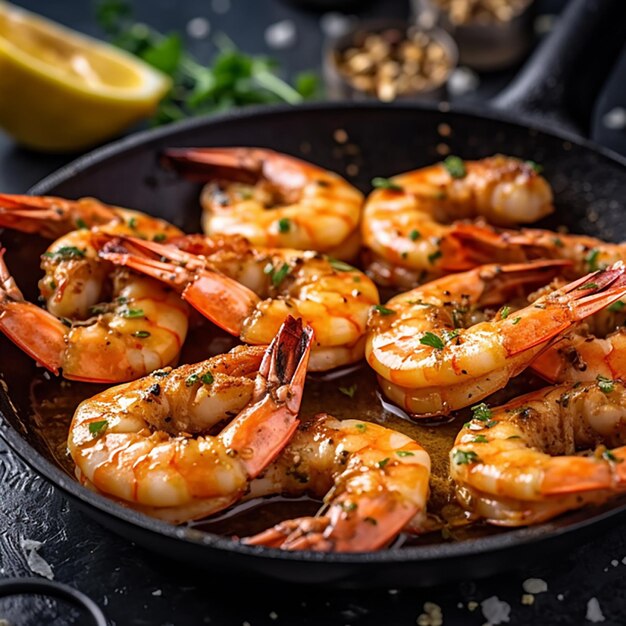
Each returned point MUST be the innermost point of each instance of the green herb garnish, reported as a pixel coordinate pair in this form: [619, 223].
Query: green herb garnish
[403, 453]
[481, 412]
[616, 307]
[414, 235]
[432, 340]
[592, 259]
[340, 266]
[132, 313]
[606, 385]
[516, 320]
[382, 462]
[233, 79]
[433, 256]
[284, 224]
[348, 391]
[535, 166]
[159, 237]
[480, 439]
[465, 457]
[192, 380]
[141, 334]
[455, 166]
[504, 313]
[385, 183]
[97, 429]
[207, 378]
[65, 253]
[383, 310]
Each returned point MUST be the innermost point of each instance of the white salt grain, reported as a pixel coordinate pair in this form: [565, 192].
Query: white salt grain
[615, 119]
[462, 80]
[37, 564]
[560, 597]
[535, 585]
[280, 35]
[594, 612]
[614, 562]
[335, 24]
[496, 611]
[198, 28]
[157, 593]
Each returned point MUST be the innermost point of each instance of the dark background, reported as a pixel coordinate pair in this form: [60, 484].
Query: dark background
[136, 587]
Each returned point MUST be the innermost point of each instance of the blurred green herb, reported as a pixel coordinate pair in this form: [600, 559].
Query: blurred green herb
[233, 79]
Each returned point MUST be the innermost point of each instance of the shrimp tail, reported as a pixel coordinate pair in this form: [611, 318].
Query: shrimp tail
[33, 330]
[219, 298]
[567, 305]
[261, 431]
[338, 531]
[242, 165]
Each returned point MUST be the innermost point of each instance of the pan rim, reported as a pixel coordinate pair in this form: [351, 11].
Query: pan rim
[414, 554]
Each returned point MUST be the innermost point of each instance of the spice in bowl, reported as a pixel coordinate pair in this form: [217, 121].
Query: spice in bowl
[394, 61]
[465, 11]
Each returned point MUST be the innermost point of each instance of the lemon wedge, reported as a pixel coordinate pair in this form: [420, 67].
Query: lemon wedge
[63, 91]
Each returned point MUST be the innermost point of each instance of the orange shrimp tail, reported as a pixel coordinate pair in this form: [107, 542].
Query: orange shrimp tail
[223, 300]
[567, 305]
[262, 430]
[373, 525]
[244, 165]
[26, 213]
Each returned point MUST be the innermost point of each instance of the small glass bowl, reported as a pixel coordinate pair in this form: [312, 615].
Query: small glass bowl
[342, 86]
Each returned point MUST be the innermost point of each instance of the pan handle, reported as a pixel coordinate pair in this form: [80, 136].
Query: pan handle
[560, 81]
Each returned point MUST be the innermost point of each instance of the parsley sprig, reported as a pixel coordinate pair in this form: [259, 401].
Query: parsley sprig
[233, 79]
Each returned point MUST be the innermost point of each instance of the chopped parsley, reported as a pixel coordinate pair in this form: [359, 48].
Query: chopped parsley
[132, 313]
[516, 320]
[284, 225]
[481, 412]
[192, 380]
[381, 464]
[504, 313]
[480, 439]
[360, 427]
[414, 235]
[383, 310]
[433, 256]
[607, 455]
[592, 259]
[385, 183]
[465, 457]
[588, 286]
[80, 223]
[340, 266]
[277, 275]
[538, 168]
[141, 334]
[606, 385]
[97, 429]
[616, 307]
[207, 378]
[65, 253]
[348, 391]
[403, 453]
[449, 335]
[132, 223]
[159, 237]
[432, 340]
[455, 166]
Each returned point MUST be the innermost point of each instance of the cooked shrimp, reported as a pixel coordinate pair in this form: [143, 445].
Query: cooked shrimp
[145, 442]
[142, 329]
[375, 481]
[75, 277]
[249, 291]
[273, 199]
[432, 357]
[516, 464]
[407, 224]
[483, 243]
[53, 217]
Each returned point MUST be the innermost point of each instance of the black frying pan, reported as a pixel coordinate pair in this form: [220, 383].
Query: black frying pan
[590, 186]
